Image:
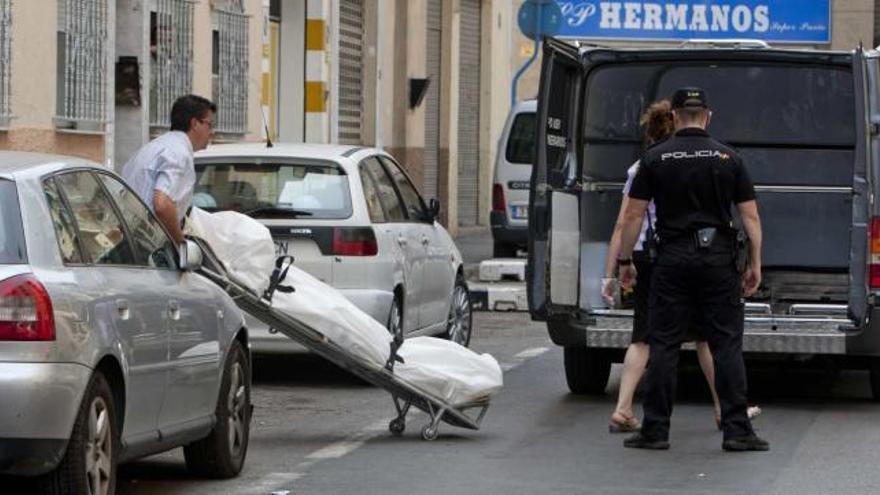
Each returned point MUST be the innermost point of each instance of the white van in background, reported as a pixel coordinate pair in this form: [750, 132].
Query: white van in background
[510, 191]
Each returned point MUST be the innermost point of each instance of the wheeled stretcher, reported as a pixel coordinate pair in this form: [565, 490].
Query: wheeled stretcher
[404, 394]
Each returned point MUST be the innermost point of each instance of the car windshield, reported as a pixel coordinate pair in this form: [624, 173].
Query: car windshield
[12, 249]
[268, 190]
[521, 143]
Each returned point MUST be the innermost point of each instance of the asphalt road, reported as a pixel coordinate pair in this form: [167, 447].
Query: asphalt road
[319, 430]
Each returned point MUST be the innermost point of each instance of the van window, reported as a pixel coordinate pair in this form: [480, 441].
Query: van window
[521, 141]
[12, 250]
[755, 103]
[794, 124]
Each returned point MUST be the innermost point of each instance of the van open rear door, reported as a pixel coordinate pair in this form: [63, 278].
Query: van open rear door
[554, 207]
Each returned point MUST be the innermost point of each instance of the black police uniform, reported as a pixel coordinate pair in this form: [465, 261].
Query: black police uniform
[693, 180]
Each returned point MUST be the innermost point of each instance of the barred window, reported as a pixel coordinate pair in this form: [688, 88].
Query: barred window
[82, 64]
[230, 67]
[171, 57]
[5, 59]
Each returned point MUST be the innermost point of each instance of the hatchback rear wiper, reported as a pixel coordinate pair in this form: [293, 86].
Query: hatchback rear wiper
[278, 210]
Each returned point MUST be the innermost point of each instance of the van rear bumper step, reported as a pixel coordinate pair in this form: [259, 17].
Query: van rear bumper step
[770, 334]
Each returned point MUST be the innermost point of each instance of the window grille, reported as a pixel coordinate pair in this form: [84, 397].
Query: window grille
[82, 64]
[231, 69]
[171, 57]
[5, 60]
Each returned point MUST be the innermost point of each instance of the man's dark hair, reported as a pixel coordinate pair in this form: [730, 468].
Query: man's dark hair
[187, 108]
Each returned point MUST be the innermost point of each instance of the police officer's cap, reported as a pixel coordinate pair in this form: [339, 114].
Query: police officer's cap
[689, 97]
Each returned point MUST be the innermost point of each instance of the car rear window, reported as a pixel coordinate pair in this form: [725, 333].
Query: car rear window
[777, 104]
[12, 248]
[274, 190]
[521, 142]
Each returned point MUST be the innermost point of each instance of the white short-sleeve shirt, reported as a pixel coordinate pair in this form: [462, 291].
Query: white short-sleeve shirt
[652, 211]
[164, 164]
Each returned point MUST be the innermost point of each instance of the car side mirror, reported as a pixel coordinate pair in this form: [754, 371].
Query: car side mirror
[190, 256]
[433, 209]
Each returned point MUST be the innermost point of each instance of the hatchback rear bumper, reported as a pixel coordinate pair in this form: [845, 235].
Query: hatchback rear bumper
[39, 404]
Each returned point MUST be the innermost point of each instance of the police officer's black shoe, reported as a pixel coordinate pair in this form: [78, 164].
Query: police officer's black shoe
[637, 441]
[744, 444]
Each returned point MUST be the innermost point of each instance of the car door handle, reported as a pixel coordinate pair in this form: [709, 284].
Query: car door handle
[401, 241]
[425, 241]
[123, 309]
[174, 310]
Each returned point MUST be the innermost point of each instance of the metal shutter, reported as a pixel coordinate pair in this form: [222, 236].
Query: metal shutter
[351, 35]
[432, 99]
[469, 114]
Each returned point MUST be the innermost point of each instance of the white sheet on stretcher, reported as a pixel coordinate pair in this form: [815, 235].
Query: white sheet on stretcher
[440, 367]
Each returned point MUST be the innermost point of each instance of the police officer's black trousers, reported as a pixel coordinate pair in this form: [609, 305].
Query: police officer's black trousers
[710, 296]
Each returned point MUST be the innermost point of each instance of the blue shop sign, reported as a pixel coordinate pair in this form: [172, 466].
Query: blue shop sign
[780, 21]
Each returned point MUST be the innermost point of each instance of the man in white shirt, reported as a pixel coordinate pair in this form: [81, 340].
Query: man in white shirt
[162, 172]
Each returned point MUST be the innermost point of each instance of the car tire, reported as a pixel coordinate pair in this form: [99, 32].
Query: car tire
[586, 370]
[460, 320]
[395, 318]
[221, 454]
[503, 250]
[95, 435]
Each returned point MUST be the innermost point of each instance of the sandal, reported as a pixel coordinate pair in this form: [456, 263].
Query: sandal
[623, 424]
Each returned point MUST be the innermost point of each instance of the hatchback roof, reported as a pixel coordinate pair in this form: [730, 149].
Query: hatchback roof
[281, 150]
[16, 161]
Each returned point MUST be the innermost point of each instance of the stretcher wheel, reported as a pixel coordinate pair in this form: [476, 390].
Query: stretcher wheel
[396, 426]
[429, 433]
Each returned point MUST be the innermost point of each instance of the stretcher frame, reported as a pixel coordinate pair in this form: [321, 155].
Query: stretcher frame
[404, 395]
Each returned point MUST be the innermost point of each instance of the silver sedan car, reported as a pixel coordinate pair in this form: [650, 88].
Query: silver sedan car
[351, 217]
[111, 346]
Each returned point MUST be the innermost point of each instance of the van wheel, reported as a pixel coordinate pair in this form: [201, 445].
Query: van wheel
[874, 370]
[503, 250]
[221, 454]
[89, 465]
[586, 370]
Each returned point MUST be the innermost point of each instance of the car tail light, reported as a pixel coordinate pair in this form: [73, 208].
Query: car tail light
[25, 310]
[498, 203]
[357, 241]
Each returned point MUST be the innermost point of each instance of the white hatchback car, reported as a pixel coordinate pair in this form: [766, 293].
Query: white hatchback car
[351, 217]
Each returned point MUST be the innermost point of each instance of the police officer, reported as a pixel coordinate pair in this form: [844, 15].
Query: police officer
[694, 180]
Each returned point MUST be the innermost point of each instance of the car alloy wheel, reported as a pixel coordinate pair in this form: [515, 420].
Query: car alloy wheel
[236, 405]
[395, 320]
[99, 447]
[460, 318]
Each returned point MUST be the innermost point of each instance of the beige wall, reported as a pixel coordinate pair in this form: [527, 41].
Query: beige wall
[33, 93]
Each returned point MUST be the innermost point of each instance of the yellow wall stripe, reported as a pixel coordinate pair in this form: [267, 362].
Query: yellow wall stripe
[314, 34]
[315, 96]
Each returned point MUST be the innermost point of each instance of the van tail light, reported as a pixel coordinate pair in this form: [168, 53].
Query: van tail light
[25, 310]
[498, 203]
[874, 254]
[354, 241]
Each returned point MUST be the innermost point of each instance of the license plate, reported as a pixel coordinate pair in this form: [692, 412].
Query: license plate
[282, 247]
[520, 212]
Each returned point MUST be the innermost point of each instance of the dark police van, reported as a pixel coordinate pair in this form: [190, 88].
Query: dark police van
[807, 124]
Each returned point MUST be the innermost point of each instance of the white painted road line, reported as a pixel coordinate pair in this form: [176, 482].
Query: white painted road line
[530, 353]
